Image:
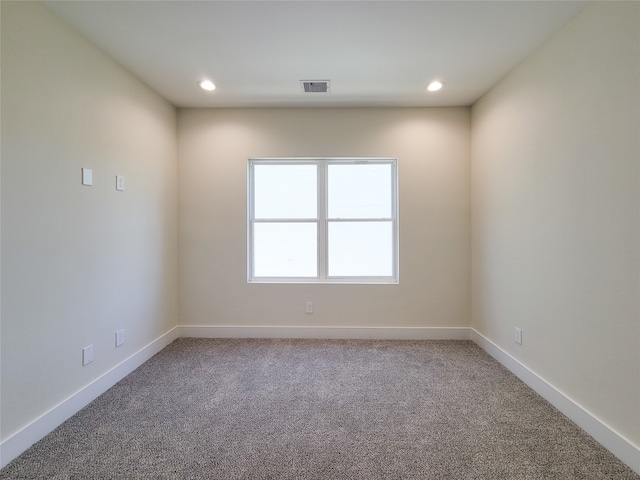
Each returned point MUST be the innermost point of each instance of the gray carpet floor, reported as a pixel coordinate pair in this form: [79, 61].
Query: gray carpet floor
[318, 409]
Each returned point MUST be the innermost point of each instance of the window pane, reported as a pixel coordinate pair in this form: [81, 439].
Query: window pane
[285, 249]
[360, 249]
[359, 191]
[285, 191]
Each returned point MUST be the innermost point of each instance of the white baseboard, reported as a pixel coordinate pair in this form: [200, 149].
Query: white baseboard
[601, 432]
[364, 333]
[47, 422]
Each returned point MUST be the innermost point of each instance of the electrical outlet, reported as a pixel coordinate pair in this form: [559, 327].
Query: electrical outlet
[87, 355]
[517, 335]
[119, 337]
[308, 307]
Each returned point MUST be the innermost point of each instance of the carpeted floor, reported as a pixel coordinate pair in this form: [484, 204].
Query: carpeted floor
[318, 409]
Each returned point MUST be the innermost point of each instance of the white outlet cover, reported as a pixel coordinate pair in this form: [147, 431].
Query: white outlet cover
[120, 183]
[308, 307]
[517, 335]
[119, 337]
[87, 355]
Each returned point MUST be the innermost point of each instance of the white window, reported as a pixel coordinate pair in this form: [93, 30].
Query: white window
[332, 220]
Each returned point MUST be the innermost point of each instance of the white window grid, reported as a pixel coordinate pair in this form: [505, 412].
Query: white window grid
[322, 221]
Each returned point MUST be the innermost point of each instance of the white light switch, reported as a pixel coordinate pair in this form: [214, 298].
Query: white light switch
[120, 183]
[87, 176]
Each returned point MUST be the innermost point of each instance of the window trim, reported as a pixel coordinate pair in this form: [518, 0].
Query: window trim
[323, 221]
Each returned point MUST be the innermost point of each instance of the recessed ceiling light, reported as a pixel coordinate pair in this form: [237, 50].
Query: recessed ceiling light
[435, 86]
[207, 85]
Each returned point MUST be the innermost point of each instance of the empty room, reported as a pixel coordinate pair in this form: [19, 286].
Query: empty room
[320, 239]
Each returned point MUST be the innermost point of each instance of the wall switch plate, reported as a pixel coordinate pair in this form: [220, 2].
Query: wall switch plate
[308, 307]
[87, 176]
[517, 335]
[119, 337]
[87, 355]
[120, 183]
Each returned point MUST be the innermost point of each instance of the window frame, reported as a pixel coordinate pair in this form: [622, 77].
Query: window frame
[323, 221]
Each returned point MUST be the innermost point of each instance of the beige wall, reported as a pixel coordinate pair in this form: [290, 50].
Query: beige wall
[432, 147]
[78, 262]
[555, 183]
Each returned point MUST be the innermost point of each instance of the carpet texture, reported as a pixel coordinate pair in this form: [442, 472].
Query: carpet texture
[318, 409]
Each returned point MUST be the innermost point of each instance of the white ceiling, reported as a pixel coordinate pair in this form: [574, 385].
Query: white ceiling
[376, 53]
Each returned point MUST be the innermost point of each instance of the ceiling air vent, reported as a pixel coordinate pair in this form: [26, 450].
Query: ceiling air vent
[316, 86]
